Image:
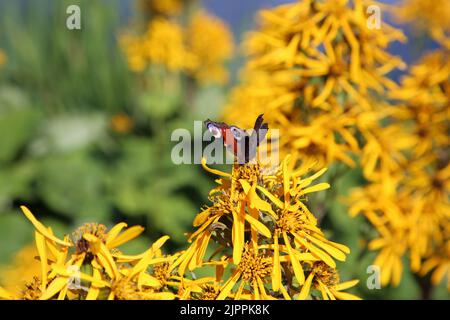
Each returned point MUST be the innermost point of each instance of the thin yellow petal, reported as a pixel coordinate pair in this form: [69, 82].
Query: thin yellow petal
[345, 285]
[228, 286]
[126, 236]
[237, 235]
[298, 270]
[276, 271]
[306, 287]
[214, 171]
[40, 244]
[41, 229]
[112, 234]
[259, 226]
[54, 287]
[5, 295]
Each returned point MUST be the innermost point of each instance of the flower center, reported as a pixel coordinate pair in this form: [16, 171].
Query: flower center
[96, 229]
[161, 271]
[253, 266]
[291, 221]
[209, 292]
[327, 275]
[249, 172]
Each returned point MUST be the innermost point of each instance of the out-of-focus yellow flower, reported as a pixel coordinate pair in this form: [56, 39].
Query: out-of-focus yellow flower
[200, 49]
[313, 70]
[429, 16]
[439, 264]
[134, 51]
[164, 44]
[121, 123]
[407, 160]
[21, 271]
[211, 42]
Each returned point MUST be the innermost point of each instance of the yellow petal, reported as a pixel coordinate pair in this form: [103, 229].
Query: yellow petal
[298, 270]
[147, 280]
[276, 272]
[126, 236]
[237, 235]
[5, 295]
[41, 229]
[259, 226]
[285, 293]
[94, 291]
[112, 234]
[228, 286]
[214, 171]
[286, 179]
[275, 200]
[306, 287]
[317, 187]
[159, 296]
[40, 244]
[334, 252]
[345, 285]
[316, 251]
[201, 217]
[345, 296]
[106, 259]
[54, 287]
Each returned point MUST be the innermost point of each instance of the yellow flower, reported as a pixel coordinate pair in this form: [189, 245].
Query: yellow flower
[282, 236]
[407, 200]
[326, 279]
[211, 42]
[383, 151]
[21, 271]
[253, 270]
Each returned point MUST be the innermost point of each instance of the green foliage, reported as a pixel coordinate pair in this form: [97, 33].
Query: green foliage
[59, 152]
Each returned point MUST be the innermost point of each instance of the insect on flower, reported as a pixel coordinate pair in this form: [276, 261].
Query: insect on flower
[238, 141]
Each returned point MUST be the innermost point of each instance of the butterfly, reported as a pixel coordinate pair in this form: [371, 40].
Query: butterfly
[238, 141]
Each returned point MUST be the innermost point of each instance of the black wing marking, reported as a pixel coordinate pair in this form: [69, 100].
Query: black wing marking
[252, 142]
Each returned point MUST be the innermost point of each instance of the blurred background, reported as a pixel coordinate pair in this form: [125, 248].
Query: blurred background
[85, 130]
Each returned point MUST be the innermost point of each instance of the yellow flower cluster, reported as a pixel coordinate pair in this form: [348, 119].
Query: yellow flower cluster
[407, 200]
[429, 16]
[268, 241]
[211, 42]
[162, 44]
[193, 49]
[264, 232]
[314, 70]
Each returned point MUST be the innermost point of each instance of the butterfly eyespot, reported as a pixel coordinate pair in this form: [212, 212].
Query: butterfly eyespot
[237, 133]
[215, 131]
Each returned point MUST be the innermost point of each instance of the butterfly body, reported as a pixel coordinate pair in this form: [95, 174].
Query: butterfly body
[242, 144]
